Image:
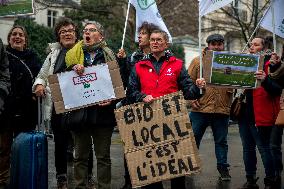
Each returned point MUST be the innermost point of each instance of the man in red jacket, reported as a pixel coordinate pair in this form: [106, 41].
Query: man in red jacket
[158, 74]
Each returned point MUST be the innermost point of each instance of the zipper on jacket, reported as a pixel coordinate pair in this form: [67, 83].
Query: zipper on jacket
[157, 83]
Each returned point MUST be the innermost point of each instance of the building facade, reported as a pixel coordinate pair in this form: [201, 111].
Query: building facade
[235, 22]
[46, 13]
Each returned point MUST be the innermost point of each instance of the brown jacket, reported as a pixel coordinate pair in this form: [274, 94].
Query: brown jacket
[215, 99]
[282, 100]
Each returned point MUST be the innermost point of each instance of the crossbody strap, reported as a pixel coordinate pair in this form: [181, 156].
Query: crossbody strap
[30, 72]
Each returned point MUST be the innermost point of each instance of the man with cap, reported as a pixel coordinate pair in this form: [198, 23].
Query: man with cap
[212, 109]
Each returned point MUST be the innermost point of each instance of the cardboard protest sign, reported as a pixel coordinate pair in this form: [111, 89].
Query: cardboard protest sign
[99, 83]
[231, 69]
[11, 8]
[158, 140]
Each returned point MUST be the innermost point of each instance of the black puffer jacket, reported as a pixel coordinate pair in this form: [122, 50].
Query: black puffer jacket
[126, 65]
[4, 76]
[20, 107]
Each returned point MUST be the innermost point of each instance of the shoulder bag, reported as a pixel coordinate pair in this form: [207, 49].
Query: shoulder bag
[236, 106]
[74, 120]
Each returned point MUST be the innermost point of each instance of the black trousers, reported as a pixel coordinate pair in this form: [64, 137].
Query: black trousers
[61, 138]
[62, 141]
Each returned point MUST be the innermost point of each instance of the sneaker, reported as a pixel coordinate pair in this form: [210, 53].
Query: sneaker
[127, 186]
[278, 182]
[61, 182]
[224, 174]
[91, 183]
[270, 183]
[250, 184]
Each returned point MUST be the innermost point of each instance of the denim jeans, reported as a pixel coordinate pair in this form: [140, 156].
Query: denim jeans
[101, 135]
[219, 125]
[251, 137]
[275, 144]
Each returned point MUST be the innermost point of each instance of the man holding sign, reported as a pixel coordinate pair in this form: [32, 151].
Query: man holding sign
[158, 74]
[212, 109]
[127, 63]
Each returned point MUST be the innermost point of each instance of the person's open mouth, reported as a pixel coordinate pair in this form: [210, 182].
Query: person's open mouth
[88, 39]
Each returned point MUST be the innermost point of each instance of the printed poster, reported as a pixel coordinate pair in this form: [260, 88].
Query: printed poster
[236, 70]
[94, 85]
[10, 8]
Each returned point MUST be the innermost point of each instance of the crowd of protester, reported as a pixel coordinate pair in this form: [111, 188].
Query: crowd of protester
[23, 78]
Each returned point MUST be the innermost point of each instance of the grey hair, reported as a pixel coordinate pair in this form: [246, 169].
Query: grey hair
[164, 34]
[98, 26]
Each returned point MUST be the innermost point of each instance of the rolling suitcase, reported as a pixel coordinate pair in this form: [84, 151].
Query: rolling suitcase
[29, 159]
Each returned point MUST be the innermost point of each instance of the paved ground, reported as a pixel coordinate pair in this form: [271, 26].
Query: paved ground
[207, 179]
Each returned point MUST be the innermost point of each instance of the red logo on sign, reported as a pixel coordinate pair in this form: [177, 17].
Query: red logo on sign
[84, 78]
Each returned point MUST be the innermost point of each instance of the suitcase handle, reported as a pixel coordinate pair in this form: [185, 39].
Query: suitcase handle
[39, 115]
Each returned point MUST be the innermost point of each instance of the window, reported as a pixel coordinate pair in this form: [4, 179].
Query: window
[51, 18]
[243, 15]
[236, 3]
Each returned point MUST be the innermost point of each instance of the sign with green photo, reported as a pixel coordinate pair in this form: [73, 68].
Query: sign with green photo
[235, 70]
[10, 8]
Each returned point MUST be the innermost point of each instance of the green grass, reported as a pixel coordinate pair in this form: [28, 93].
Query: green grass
[235, 60]
[239, 79]
[22, 7]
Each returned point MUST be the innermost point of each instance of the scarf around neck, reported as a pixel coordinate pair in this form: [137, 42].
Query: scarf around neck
[76, 54]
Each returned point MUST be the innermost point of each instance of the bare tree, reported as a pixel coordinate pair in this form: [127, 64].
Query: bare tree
[239, 18]
[180, 16]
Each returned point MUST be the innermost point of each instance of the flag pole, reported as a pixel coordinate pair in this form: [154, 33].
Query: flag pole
[257, 26]
[273, 25]
[125, 25]
[200, 50]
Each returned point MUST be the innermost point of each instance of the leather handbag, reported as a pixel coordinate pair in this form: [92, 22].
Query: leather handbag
[73, 120]
[280, 117]
[236, 107]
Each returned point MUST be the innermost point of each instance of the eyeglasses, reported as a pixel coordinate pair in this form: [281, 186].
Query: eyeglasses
[91, 30]
[158, 40]
[64, 32]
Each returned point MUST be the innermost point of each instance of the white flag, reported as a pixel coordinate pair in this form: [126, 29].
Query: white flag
[147, 11]
[266, 23]
[207, 6]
